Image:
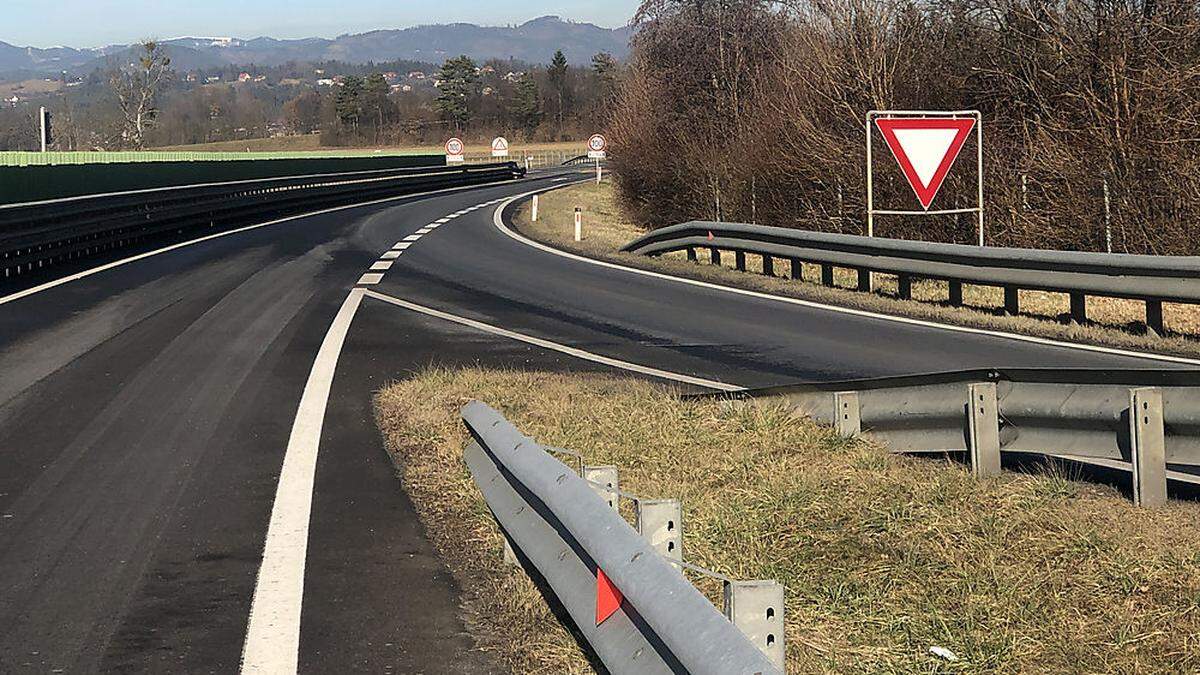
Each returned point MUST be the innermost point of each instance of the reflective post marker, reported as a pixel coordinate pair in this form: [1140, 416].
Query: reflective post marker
[578, 224]
[535, 208]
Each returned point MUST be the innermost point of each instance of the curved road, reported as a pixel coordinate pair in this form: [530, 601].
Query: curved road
[149, 412]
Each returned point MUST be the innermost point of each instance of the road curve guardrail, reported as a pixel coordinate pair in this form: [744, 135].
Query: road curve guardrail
[37, 235]
[1151, 279]
[566, 531]
[1142, 422]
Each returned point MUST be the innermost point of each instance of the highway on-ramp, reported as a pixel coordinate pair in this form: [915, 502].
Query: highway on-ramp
[190, 474]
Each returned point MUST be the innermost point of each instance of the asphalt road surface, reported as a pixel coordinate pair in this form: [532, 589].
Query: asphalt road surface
[151, 412]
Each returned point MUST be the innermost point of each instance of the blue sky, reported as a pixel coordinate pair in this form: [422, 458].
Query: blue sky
[95, 23]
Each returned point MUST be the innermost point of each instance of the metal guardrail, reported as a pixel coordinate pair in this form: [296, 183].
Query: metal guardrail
[37, 235]
[568, 533]
[1151, 279]
[1144, 422]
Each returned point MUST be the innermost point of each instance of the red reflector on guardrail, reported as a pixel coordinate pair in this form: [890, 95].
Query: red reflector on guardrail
[608, 597]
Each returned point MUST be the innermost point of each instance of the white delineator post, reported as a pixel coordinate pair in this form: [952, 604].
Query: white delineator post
[535, 209]
[578, 224]
[599, 173]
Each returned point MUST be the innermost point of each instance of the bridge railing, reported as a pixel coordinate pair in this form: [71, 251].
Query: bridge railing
[1151, 279]
[37, 235]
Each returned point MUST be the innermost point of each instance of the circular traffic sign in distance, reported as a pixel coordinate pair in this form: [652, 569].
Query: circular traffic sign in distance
[597, 143]
[455, 147]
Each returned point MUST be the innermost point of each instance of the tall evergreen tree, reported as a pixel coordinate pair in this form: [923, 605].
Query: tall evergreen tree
[558, 76]
[459, 88]
[527, 104]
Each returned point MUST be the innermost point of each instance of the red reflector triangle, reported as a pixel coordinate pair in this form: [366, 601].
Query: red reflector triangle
[710, 236]
[926, 149]
[608, 598]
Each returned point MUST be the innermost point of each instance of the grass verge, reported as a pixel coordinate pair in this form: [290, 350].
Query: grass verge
[883, 556]
[1113, 322]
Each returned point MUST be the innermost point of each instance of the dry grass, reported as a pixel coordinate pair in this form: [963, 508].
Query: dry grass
[1113, 322]
[883, 557]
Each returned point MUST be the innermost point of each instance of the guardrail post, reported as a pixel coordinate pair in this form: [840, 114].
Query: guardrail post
[660, 522]
[956, 293]
[827, 275]
[1012, 300]
[864, 280]
[797, 269]
[904, 286]
[739, 260]
[1078, 308]
[768, 266]
[510, 556]
[1154, 316]
[1148, 442]
[603, 481]
[847, 414]
[715, 256]
[691, 253]
[756, 608]
[983, 426]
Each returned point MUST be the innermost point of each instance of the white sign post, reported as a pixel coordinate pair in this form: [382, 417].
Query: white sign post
[455, 151]
[925, 144]
[500, 147]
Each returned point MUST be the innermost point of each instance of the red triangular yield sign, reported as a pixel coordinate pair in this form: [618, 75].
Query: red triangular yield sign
[608, 597]
[926, 149]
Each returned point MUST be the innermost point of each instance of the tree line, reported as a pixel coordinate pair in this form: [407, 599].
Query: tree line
[755, 111]
[145, 103]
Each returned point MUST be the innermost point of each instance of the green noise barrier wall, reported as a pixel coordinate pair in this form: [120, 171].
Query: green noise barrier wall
[41, 182]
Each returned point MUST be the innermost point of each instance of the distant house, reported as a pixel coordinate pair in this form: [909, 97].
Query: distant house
[244, 77]
[487, 70]
[318, 71]
[488, 91]
[416, 75]
[406, 88]
[261, 78]
[391, 77]
[214, 78]
[513, 77]
[325, 82]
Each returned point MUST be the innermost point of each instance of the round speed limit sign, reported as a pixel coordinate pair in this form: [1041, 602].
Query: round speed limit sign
[597, 145]
[454, 150]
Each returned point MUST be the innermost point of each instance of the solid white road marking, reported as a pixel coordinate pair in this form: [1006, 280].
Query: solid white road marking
[554, 346]
[174, 247]
[498, 221]
[273, 636]
[390, 255]
[370, 279]
[382, 266]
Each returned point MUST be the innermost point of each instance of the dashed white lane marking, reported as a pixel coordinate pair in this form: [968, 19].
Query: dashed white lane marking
[390, 255]
[400, 246]
[382, 266]
[273, 636]
[412, 237]
[370, 279]
[425, 230]
[554, 346]
[498, 222]
[443, 221]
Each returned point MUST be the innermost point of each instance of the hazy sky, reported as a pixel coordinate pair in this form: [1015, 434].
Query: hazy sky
[95, 23]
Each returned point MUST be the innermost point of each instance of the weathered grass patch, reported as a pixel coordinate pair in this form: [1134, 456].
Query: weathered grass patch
[1113, 322]
[883, 556]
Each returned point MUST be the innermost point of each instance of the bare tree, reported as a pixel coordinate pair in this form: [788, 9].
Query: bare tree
[136, 87]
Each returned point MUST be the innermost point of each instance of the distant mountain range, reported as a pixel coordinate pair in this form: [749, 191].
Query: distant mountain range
[533, 42]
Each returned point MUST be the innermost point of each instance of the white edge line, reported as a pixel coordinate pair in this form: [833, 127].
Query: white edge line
[1112, 351]
[173, 247]
[554, 346]
[273, 635]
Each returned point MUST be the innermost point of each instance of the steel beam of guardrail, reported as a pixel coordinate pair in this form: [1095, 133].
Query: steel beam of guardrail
[38, 235]
[1151, 279]
[1089, 416]
[557, 521]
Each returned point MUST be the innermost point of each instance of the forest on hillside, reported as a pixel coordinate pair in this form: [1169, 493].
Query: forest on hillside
[746, 110]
